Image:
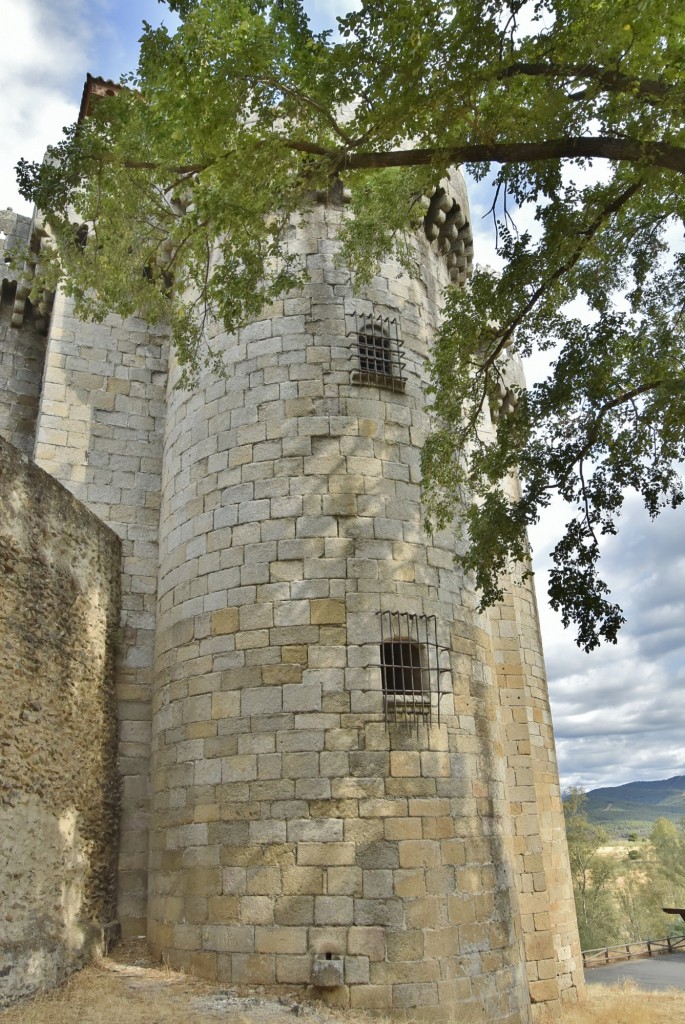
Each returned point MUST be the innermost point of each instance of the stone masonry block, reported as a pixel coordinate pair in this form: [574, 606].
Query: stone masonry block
[356, 970]
[386, 912]
[226, 705]
[369, 942]
[419, 853]
[328, 612]
[325, 853]
[316, 831]
[281, 940]
[228, 938]
[294, 910]
[405, 945]
[302, 881]
[344, 881]
[257, 910]
[225, 620]
[293, 970]
[371, 997]
[544, 991]
[333, 910]
[302, 697]
[403, 828]
[254, 969]
[405, 763]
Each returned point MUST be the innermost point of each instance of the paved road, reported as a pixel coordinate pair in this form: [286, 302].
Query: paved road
[666, 971]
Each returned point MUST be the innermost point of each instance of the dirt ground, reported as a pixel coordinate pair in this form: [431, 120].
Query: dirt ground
[129, 988]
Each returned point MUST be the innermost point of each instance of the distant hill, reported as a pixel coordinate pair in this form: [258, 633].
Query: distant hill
[635, 806]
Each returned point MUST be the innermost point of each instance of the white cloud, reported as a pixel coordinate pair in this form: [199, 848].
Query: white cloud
[39, 75]
[618, 712]
[49, 48]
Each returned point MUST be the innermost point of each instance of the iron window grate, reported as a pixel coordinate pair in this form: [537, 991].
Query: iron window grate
[379, 351]
[410, 668]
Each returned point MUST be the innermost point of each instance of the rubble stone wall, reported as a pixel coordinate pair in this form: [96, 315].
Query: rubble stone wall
[59, 794]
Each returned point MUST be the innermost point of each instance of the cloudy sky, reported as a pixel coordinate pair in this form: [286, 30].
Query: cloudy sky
[619, 712]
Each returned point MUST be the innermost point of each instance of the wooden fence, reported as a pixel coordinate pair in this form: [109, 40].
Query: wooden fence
[633, 950]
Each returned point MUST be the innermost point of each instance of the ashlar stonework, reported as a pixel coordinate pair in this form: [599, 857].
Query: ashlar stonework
[336, 773]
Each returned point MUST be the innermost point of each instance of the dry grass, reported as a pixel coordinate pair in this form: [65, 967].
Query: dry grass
[625, 1004]
[128, 988]
[107, 994]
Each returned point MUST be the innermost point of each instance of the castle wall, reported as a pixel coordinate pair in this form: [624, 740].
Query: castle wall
[59, 593]
[99, 433]
[289, 819]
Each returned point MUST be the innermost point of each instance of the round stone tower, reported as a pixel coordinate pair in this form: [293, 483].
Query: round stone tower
[330, 803]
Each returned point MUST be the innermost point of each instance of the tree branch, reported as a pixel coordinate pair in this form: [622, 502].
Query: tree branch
[612, 81]
[310, 102]
[613, 403]
[586, 502]
[656, 154]
[561, 269]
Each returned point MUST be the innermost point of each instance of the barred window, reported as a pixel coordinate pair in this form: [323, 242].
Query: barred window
[410, 668]
[401, 667]
[375, 354]
[379, 352]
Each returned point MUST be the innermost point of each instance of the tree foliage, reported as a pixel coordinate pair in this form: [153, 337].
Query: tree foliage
[668, 843]
[231, 121]
[592, 874]
[622, 899]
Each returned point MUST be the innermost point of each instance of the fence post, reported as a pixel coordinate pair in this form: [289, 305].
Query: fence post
[649, 947]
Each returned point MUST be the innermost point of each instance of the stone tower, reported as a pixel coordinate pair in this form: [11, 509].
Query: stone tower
[351, 769]
[351, 773]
